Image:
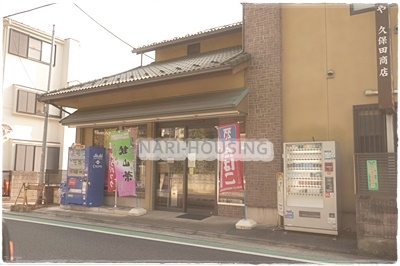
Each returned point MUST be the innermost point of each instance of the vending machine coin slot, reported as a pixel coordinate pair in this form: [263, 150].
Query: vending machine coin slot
[329, 184]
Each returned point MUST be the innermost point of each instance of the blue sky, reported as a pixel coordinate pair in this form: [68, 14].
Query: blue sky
[135, 22]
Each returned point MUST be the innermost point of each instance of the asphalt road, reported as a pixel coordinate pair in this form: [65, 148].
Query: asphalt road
[69, 243]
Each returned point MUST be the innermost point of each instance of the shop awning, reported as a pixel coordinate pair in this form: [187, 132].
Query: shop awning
[210, 105]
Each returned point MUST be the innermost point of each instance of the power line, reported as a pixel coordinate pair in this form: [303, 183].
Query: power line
[104, 27]
[109, 31]
[28, 10]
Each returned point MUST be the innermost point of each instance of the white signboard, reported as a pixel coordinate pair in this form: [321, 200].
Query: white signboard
[279, 186]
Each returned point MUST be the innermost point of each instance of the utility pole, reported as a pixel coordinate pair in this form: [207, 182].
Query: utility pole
[46, 120]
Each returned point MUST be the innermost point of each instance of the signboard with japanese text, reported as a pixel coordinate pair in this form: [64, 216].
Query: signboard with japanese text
[383, 53]
[372, 172]
[111, 173]
[122, 154]
[280, 193]
[231, 173]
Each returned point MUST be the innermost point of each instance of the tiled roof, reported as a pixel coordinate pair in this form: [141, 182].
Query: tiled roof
[216, 30]
[195, 64]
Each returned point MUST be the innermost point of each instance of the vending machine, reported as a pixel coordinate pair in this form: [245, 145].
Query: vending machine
[85, 176]
[311, 202]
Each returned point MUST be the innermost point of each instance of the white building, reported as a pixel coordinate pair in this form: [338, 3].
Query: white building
[26, 56]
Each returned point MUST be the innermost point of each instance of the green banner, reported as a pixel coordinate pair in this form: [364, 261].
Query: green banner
[122, 153]
[372, 172]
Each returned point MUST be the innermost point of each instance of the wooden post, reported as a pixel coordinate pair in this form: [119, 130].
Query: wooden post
[25, 201]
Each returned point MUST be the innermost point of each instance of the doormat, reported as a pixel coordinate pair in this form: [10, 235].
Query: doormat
[193, 216]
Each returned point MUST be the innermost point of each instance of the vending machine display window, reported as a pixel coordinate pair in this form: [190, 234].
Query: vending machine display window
[310, 190]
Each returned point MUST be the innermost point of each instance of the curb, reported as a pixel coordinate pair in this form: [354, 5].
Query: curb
[82, 217]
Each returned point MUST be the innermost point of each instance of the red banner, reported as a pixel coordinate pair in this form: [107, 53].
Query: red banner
[111, 173]
[231, 173]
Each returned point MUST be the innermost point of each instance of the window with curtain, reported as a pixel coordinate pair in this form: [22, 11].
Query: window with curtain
[26, 46]
[27, 103]
[28, 158]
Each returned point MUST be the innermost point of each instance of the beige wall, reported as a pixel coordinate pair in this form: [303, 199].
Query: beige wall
[318, 38]
[215, 43]
[87, 138]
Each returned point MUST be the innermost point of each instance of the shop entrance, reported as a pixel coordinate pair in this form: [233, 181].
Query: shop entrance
[187, 185]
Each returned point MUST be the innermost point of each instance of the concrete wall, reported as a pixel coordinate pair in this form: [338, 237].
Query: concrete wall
[377, 226]
[18, 178]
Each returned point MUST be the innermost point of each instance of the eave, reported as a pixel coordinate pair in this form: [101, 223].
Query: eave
[189, 38]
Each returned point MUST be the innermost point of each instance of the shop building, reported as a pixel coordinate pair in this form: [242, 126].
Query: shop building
[287, 73]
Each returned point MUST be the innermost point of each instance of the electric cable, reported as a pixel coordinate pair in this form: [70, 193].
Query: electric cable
[32, 9]
[109, 30]
[28, 10]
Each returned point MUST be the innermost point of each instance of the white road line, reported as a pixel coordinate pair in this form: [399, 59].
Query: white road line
[133, 234]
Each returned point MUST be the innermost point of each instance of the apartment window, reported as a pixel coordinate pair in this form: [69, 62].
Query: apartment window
[18, 43]
[53, 155]
[370, 129]
[361, 8]
[28, 158]
[35, 49]
[193, 48]
[27, 46]
[27, 103]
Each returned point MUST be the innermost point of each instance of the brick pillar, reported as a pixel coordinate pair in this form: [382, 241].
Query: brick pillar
[262, 39]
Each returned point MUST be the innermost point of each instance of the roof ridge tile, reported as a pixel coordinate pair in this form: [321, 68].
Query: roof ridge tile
[216, 59]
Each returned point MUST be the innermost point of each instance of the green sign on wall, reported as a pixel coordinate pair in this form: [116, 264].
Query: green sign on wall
[372, 172]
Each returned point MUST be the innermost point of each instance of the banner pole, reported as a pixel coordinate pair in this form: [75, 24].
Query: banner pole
[137, 200]
[244, 198]
[115, 194]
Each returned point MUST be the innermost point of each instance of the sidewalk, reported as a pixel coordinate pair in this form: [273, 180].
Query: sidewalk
[163, 222]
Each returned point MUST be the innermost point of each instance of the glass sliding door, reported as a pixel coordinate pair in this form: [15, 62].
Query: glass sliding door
[186, 185]
[201, 178]
[170, 175]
